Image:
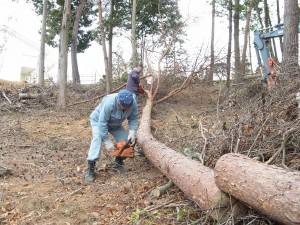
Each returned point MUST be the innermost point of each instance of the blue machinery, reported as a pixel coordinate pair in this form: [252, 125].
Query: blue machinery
[261, 44]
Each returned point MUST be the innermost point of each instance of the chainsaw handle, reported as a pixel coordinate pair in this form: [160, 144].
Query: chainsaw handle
[124, 147]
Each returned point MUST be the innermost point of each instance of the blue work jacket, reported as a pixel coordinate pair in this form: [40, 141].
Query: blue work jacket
[109, 115]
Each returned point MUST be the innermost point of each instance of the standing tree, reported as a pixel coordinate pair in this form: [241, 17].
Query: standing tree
[146, 21]
[278, 20]
[290, 38]
[103, 42]
[236, 35]
[110, 34]
[228, 57]
[268, 23]
[247, 30]
[75, 70]
[53, 26]
[212, 43]
[42, 46]
[134, 57]
[63, 55]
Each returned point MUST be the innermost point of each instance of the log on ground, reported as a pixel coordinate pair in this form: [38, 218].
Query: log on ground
[193, 178]
[270, 190]
[30, 95]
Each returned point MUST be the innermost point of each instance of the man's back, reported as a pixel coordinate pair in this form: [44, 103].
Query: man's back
[133, 82]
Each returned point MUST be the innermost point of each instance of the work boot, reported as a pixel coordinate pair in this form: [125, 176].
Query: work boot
[119, 161]
[90, 173]
[117, 166]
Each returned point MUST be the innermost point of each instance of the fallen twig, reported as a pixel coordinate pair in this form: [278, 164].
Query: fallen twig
[261, 129]
[4, 95]
[100, 96]
[283, 147]
[69, 195]
[74, 192]
[202, 155]
[151, 208]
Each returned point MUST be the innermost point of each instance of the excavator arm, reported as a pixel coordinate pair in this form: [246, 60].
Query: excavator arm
[261, 45]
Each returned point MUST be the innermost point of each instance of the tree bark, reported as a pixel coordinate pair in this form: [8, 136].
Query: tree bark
[236, 35]
[278, 21]
[270, 190]
[75, 71]
[290, 38]
[193, 178]
[228, 57]
[42, 46]
[103, 42]
[266, 11]
[110, 35]
[63, 55]
[247, 30]
[260, 22]
[134, 57]
[212, 44]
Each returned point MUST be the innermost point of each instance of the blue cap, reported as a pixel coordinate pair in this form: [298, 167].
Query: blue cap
[125, 98]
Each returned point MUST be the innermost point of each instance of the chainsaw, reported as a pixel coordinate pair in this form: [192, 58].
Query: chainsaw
[124, 149]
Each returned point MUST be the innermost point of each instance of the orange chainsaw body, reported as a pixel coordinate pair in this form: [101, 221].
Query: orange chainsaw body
[128, 152]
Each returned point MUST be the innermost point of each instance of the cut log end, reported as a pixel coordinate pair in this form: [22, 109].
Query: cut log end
[159, 191]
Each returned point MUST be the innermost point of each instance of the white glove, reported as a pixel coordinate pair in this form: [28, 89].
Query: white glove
[109, 145]
[131, 136]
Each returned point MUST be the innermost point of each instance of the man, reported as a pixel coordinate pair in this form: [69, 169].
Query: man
[108, 118]
[133, 81]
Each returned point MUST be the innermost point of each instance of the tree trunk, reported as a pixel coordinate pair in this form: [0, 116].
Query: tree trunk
[134, 57]
[278, 21]
[42, 46]
[257, 9]
[266, 11]
[236, 34]
[290, 38]
[194, 179]
[75, 71]
[273, 46]
[212, 43]
[228, 57]
[103, 41]
[110, 35]
[250, 54]
[63, 55]
[270, 190]
[247, 30]
[267, 22]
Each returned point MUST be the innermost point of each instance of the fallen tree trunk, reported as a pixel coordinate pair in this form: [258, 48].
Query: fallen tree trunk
[193, 178]
[30, 95]
[270, 190]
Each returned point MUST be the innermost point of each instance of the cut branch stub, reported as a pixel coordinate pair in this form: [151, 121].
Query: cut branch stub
[194, 179]
[270, 190]
[159, 191]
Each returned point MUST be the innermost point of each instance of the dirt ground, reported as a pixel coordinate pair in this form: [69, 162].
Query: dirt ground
[46, 149]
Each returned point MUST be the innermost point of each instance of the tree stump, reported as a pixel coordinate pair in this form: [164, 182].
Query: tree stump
[271, 190]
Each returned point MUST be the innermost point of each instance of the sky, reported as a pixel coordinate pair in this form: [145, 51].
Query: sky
[21, 17]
